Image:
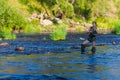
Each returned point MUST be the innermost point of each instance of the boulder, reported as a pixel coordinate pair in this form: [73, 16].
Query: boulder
[4, 44]
[115, 43]
[82, 38]
[46, 22]
[57, 20]
[72, 22]
[40, 16]
[87, 25]
[15, 31]
[19, 49]
[34, 16]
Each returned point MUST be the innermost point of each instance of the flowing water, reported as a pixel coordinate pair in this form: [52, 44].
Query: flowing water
[62, 60]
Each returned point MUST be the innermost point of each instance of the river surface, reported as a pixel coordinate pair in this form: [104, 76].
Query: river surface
[44, 59]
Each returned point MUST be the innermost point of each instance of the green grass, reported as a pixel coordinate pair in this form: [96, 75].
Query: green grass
[59, 32]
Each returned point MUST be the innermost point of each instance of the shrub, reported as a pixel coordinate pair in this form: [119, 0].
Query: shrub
[69, 10]
[59, 32]
[34, 6]
[10, 17]
[80, 28]
[116, 30]
[24, 1]
[35, 22]
[30, 28]
[6, 34]
[82, 8]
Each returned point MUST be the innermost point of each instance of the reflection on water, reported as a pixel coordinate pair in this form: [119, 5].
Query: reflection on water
[104, 65]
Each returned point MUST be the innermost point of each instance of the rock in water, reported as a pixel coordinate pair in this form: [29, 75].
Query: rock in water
[19, 49]
[82, 38]
[115, 43]
[4, 44]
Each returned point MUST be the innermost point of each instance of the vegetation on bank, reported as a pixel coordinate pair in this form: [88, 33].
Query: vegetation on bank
[74, 14]
[59, 32]
[116, 29]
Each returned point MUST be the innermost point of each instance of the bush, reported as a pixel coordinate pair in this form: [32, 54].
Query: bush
[82, 8]
[6, 34]
[116, 30]
[24, 1]
[34, 6]
[32, 29]
[62, 7]
[59, 32]
[10, 17]
[69, 10]
[80, 28]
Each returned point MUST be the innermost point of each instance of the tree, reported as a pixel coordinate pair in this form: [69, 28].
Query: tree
[82, 8]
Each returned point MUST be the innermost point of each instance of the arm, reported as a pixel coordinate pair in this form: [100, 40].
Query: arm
[90, 31]
[95, 32]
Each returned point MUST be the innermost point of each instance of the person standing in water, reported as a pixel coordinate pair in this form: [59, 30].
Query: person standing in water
[91, 38]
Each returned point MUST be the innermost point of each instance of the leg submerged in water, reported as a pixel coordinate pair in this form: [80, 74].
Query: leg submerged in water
[82, 48]
[93, 47]
[83, 45]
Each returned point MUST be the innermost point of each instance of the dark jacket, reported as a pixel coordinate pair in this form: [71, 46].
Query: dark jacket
[93, 32]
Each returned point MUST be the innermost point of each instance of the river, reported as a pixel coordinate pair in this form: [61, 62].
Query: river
[44, 59]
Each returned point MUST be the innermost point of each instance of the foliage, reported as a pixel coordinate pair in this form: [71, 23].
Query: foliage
[116, 29]
[82, 8]
[66, 8]
[62, 6]
[10, 17]
[34, 6]
[6, 34]
[80, 28]
[80, 11]
[24, 1]
[59, 32]
[30, 28]
[35, 22]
